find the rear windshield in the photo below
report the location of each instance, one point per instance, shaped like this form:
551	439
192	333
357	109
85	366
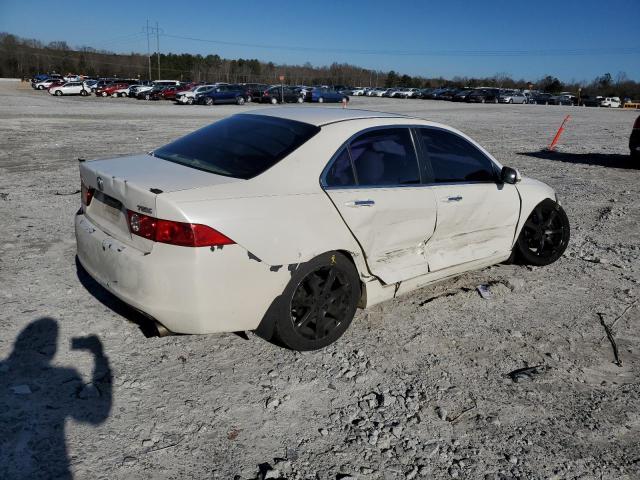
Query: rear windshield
241	146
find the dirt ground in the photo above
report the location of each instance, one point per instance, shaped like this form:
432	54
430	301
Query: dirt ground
418	387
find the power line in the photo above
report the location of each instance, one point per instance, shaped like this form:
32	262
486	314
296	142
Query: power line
428	53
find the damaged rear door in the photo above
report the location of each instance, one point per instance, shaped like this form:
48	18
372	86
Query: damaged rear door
375	182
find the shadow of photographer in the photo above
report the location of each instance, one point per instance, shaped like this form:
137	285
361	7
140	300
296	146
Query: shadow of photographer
37	397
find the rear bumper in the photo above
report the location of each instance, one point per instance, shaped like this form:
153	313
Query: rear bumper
188	290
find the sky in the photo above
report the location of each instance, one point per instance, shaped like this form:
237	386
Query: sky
573	40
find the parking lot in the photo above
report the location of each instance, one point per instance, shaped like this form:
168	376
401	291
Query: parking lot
417	387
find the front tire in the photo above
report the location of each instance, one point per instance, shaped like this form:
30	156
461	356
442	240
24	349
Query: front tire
318	304
58	93
274	101
544	236
321	100
240	101
208	101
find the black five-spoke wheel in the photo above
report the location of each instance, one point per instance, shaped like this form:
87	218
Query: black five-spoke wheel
545	235
319	302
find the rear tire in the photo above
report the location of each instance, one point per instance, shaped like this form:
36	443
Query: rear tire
544	236
321	100
83	93
318	304
208	101
104	94
274	101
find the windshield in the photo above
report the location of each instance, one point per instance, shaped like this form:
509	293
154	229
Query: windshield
242	146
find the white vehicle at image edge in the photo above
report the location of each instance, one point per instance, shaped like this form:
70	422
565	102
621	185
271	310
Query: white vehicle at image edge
285	220
70	88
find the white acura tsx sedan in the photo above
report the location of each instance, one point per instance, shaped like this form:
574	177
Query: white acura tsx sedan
285	220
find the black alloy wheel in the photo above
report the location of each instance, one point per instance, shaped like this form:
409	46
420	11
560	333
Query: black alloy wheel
319	302
545	235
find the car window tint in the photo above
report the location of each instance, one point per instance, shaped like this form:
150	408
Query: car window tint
340	173
241	146
385	157
454	159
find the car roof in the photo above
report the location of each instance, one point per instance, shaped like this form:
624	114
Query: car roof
320	116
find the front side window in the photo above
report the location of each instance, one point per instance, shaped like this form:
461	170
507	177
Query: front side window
454	159
385	157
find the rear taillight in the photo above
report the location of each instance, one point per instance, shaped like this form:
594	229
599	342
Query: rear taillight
175	233
86	194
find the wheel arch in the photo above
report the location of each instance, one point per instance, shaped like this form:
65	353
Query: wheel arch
532	193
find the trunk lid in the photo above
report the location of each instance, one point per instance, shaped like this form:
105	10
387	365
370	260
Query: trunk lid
133	183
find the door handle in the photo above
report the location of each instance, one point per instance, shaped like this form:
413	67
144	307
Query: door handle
455	198
360	203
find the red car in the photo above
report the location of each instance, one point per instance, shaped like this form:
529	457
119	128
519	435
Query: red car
57	83
107	90
170	93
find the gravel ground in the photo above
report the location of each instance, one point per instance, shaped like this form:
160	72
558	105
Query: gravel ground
418	387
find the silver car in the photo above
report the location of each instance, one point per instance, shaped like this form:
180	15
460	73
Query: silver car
513	97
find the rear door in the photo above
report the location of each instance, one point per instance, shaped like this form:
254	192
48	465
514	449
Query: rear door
477	215
375	183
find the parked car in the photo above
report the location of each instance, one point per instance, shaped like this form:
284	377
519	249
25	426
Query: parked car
484	95
359	91
563	98
222	94
48	83
611	102
591	100
461	95
282	94
70	88
151	93
241	198
253	91
634	140
135	90
405	93
513	97
325	95
541	98
109	89
171	91
188	97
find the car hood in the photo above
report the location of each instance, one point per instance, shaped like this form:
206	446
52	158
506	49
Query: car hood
153	172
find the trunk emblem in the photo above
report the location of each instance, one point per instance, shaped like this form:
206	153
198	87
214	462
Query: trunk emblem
100	183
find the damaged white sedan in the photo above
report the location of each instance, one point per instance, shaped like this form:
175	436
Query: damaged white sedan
286	220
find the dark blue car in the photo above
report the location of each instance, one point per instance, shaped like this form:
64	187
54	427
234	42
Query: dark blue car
222	94
324	94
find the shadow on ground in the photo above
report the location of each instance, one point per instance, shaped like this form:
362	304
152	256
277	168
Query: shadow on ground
612	160
36	398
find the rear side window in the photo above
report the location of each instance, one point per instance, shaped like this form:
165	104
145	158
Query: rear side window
241	146
385	157
340	173
454	159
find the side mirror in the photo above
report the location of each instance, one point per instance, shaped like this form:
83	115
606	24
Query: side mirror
510	175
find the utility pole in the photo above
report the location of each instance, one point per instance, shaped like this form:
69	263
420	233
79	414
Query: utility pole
148	49
158	45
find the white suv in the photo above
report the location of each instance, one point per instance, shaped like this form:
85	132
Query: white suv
70	88
613	102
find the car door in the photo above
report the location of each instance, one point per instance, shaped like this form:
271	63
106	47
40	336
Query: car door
477	215
375	183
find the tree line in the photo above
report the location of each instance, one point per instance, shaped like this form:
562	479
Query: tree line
23	58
